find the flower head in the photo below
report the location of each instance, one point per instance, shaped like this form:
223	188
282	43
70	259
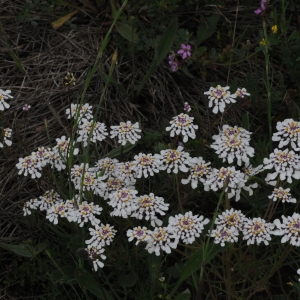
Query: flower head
219	97
283	195
3	96
26	107
185	51
172	160
160	239
274	29
126	132
173	63
231	218
199	170
186	227
148	206
289	229
139	233
183	124
124	202
257	230
229	179
242	93
85	128
29	165
7	137
288	132
224	234
233	142
286	164
80	111
144	164
102	235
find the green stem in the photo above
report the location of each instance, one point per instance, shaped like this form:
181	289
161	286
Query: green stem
178	193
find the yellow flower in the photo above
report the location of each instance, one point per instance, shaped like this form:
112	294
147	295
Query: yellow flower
274	29
262	42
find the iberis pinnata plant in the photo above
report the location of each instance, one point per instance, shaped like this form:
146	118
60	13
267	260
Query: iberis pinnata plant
113	182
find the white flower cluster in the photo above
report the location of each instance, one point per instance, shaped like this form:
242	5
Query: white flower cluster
231	222
5	133
286	164
233	142
55	157
283	195
199	170
229	179
183	124
220	96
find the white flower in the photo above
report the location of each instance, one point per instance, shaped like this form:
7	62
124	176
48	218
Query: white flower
224	234
109	164
7	137
160	239
242	92
125	171
85	127
4	95
126	132
172	160
114	184
229	178
282	195
42	155
198	172
148	206
29	165
94	254
102	235
124	202
60	152
86	212
231	143
48	200
298	272
186	227
144	164
33	203
286	164
218	97
251	171
231	218
257	230
90	181
183	124
82	111
288	132
289	229
62	209
139	233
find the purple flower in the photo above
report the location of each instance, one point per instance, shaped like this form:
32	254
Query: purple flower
262	7
184	51
187	107
26	107
173	63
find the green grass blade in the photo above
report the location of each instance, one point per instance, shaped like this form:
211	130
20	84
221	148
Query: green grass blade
163	48
86	279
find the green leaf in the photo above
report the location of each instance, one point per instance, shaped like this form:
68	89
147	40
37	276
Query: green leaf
185	295
165	42
117	151
164	45
207	29
64	274
195	262
201	50
127	280
24	250
86	279
75	243
127	32
245	121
